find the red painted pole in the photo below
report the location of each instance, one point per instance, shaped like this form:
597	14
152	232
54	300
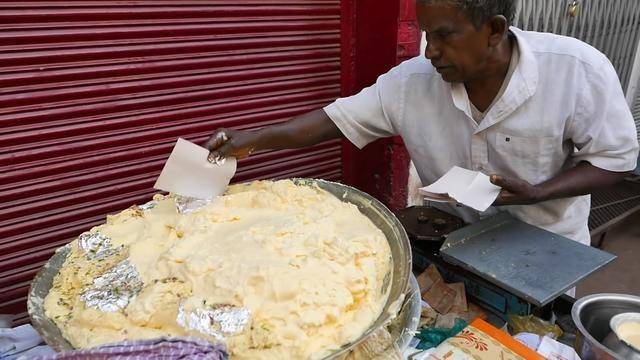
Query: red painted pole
376	38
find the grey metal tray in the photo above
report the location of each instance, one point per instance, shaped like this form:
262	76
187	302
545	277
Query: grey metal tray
532	263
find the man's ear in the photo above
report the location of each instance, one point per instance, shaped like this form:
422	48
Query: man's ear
498	28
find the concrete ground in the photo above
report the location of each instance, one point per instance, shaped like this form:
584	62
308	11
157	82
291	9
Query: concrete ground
623	274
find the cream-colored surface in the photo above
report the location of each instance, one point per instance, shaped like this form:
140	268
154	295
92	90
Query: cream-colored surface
629	332
308	266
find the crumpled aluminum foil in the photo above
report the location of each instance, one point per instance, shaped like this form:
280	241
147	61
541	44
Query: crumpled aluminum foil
218	321
114	289
148	206
97	245
186	204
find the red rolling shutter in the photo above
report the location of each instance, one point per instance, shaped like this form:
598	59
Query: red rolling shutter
95	93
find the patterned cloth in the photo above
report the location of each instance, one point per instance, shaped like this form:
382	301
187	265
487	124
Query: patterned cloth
157	349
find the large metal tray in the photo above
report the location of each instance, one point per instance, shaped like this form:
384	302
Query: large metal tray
397	280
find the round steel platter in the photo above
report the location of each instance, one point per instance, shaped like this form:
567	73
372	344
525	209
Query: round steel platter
397	280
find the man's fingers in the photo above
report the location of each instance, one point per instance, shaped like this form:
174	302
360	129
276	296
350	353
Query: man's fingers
504	194
221	152
499	181
504	198
216	140
513	185
218	146
231	143
515	191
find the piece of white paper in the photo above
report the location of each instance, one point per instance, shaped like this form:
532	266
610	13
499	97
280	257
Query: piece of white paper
554	350
456	178
532	341
470	188
187	172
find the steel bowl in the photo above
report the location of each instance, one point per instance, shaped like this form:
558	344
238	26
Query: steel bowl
397	281
592	315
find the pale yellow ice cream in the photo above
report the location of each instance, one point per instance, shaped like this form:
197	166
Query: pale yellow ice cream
307	266
629	332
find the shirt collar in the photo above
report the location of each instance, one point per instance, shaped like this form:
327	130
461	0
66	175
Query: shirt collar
521	87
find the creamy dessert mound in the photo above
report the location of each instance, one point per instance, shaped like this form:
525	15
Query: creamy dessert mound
273	269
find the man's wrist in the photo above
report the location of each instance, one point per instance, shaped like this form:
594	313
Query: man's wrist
258	139
541	193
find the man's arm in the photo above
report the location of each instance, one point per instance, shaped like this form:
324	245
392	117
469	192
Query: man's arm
301	131
580	180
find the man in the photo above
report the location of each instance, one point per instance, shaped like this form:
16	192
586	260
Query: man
544	114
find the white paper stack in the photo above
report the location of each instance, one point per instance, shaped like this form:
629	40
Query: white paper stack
467	187
187	172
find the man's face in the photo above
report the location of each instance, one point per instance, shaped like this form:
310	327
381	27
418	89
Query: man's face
455	47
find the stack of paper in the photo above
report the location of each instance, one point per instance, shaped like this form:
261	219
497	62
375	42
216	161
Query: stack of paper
470	188
187	172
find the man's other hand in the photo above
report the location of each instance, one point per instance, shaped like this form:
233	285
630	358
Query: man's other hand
515	191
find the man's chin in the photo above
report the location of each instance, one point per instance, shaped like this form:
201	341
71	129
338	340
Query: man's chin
449	74
451	78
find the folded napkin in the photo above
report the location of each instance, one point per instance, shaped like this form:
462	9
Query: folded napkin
21	341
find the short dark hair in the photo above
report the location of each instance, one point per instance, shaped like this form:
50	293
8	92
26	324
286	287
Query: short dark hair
480	11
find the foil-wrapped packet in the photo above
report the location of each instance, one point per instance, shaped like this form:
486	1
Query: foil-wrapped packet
97	246
218	321
186	204
114	289
148	206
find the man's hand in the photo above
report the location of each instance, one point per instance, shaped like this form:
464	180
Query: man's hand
515	191
226	142
583	179
301	131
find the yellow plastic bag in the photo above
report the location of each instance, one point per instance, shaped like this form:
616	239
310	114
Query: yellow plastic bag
534	325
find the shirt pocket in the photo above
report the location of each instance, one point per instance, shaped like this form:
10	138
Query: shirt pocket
527	157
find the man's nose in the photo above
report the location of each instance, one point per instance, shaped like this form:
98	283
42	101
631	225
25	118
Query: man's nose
432	51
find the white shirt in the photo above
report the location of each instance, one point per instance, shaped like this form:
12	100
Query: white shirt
478	115
563	104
